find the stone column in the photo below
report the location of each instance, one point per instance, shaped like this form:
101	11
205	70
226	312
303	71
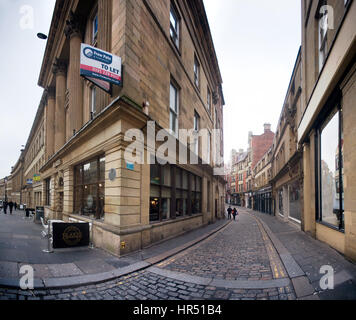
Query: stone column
104	42
59	69
307	188
51	105
73	31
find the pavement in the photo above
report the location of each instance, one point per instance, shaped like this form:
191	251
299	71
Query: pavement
256	257
21	244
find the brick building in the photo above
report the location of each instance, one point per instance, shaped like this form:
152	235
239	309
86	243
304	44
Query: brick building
259	146
75	153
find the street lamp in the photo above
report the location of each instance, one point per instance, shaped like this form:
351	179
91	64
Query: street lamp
41	36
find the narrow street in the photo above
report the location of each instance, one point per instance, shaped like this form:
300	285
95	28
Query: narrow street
255	257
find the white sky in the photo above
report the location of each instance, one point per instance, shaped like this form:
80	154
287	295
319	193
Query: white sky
256	41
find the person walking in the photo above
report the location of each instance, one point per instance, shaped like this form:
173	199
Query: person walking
15	205
234	211
229	210
11	205
5	207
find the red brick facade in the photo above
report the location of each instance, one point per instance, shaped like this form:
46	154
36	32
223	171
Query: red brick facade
260	145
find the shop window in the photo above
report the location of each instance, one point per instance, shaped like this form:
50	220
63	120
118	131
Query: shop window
89	188
330	171
294	201
48	191
174	192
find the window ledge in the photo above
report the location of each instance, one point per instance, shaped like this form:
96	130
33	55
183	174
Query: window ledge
178	219
325	224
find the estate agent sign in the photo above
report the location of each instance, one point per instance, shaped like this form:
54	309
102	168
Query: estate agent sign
100	67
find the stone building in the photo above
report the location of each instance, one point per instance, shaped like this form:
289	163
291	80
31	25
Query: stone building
170	75
32	158
262	189
287	179
17	182
327	127
240	167
2	189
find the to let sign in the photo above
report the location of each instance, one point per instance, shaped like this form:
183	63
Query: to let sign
100	67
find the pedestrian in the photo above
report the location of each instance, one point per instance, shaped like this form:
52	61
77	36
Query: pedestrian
229	212
5	207
15	205
234	213
11	205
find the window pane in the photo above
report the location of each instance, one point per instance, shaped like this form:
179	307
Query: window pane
102	168
166	175
166	202
101	201
78	200
185	180
154	191
329	178
173	122
173	99
192	182
173	19
295	208
90	200
79	175
280	202
198	183
91	172
155	174
154	209
178	178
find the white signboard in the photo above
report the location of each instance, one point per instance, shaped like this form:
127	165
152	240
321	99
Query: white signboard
100	67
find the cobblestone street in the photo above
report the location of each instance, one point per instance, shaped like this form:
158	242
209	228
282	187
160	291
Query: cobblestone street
241	261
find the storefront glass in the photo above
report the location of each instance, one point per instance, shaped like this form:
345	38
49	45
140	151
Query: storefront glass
331	193
89	188
295	209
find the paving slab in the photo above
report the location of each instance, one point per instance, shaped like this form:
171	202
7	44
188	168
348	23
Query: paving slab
302	287
94	266
9	270
64	270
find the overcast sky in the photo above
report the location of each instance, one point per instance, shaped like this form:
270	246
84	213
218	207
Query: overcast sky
256	41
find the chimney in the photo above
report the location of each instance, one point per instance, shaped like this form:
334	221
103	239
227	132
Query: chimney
267	127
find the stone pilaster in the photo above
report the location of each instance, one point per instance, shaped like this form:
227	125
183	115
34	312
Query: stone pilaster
50	120
68	191
73	31
59	69
104	42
